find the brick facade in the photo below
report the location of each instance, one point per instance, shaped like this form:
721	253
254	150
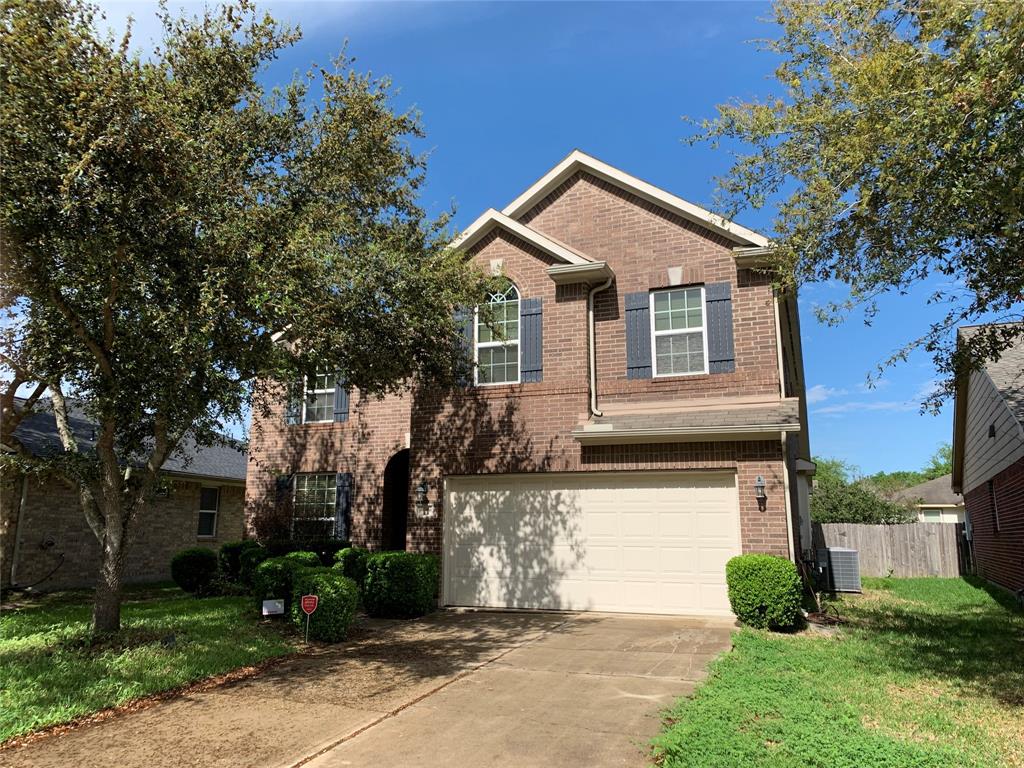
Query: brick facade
51	513
526	427
999	554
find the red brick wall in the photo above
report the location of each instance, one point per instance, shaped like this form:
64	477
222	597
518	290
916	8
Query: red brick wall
375	431
999	555
526	428
164	528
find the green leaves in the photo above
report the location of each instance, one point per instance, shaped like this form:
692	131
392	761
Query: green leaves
894	152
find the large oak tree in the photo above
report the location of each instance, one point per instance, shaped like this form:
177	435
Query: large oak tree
173	232
894	147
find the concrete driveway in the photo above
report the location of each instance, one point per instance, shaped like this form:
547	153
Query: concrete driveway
470	689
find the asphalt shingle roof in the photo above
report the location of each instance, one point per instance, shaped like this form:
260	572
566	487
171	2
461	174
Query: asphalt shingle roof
937	491
38	434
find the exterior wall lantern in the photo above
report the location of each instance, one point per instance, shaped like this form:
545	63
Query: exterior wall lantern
423	507
759	493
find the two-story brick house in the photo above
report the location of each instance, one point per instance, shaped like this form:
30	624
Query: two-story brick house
636	415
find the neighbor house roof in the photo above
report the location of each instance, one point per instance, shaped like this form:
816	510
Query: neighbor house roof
37	433
1007	376
725	423
938	491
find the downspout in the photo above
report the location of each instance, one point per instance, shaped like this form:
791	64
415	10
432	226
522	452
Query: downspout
17	531
593	344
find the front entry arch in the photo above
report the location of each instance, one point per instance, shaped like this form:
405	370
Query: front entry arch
395	512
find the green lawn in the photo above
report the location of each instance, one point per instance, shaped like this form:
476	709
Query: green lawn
929	672
49	673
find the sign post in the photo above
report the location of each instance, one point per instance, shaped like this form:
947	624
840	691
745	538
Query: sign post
308	604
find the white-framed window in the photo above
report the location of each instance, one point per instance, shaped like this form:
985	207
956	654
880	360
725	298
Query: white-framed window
678	325
209	506
496	351
318	397
931	515
314	505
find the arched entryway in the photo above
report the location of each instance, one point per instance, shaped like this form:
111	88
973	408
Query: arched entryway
396	501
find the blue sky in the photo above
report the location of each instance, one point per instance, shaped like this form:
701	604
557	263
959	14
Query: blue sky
508	89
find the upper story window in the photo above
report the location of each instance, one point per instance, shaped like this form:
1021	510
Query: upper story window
497	338
677	325
318	397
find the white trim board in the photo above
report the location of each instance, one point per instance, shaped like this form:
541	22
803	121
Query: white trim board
492	218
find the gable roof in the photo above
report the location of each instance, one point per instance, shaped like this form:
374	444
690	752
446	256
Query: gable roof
37	432
937	491
492	218
580	161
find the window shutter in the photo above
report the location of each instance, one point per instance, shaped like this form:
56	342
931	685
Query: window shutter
282	489
721	357
464	322
531	340
343	505
340	400
293	409
638	336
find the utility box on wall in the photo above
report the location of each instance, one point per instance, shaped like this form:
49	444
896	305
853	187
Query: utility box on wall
839	569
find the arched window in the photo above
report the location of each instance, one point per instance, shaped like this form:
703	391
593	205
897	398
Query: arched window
497	337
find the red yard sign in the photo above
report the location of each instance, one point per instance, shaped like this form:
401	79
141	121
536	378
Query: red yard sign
309	603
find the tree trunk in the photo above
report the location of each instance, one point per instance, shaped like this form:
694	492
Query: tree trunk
106	611
10	509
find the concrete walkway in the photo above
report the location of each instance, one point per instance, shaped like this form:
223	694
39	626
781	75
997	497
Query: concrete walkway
469	689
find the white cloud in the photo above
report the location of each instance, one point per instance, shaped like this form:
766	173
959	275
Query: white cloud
819	393
866	405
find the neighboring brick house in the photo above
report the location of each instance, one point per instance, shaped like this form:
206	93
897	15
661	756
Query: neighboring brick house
201	503
988	464
616	472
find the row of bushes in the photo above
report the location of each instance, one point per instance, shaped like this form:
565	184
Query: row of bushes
388	584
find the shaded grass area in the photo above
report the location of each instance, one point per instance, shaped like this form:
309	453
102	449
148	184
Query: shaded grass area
50	671
928	672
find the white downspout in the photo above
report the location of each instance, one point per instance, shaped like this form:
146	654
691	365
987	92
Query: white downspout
593	344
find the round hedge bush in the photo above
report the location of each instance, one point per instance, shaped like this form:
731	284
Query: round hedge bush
764	590
304	559
248	560
351	561
338	597
193	569
230	557
400	585
273	578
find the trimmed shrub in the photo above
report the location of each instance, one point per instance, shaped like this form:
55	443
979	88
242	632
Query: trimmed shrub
273	579
338	597
324	548
247	562
764	590
230	557
193	569
304	559
351	561
400	585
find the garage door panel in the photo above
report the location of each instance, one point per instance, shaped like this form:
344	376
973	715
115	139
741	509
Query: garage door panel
653	542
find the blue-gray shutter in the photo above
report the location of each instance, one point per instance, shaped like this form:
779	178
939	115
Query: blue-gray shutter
638	336
531	340
282	489
464	322
340	400
342	505
721	354
293	410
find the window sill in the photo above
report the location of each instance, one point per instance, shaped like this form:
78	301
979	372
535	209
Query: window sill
206	538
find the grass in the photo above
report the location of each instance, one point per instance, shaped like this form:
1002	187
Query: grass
51	673
928	672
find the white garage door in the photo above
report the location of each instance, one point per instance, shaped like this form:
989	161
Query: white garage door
609	541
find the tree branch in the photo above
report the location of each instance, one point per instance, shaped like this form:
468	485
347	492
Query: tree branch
99	352
60	415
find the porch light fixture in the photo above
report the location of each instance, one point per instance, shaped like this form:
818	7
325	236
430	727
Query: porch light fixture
423	507
759	493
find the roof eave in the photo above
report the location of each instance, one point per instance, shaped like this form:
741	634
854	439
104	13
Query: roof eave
577	160
491	218
599	434
569	274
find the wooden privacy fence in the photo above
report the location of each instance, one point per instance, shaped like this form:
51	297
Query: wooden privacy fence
910	549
